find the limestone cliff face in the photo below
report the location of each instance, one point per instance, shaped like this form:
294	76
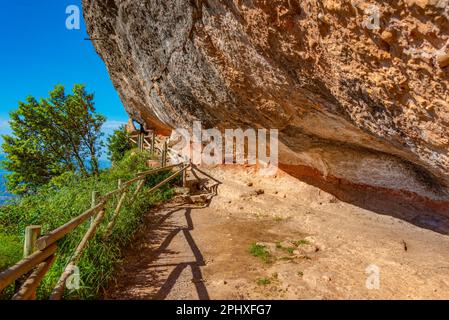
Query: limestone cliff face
358	89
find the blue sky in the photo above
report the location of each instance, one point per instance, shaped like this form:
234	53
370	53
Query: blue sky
37	51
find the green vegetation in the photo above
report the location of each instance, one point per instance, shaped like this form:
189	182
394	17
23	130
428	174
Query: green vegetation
10	250
279	246
301	243
260	251
66	197
263	281
118	144
50	137
290	250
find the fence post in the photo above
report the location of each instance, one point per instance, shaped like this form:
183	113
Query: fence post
139	187
31	235
141	141
93	203
116	213
29	247
153	137
164	155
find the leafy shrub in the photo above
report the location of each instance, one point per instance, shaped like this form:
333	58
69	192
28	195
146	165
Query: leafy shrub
260	251
119	144
10	250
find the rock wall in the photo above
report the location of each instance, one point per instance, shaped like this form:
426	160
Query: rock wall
358	89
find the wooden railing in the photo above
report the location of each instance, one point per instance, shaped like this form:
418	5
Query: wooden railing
150	143
145	141
40	252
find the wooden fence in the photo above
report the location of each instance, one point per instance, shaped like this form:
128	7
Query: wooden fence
40	251
145	141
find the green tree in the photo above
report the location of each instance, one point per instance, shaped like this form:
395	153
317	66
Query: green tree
51	136
118	144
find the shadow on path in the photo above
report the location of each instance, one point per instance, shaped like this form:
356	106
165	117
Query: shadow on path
194	266
157	262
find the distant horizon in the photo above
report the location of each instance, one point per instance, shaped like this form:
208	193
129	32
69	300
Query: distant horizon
4	193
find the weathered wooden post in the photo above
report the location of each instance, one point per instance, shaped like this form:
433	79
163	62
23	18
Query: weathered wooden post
142	141
139	187
153	138
164	155
162	158
31	235
29	247
93	203
139	141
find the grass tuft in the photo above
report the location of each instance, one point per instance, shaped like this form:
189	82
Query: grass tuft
301	243
263	281
289	250
260	251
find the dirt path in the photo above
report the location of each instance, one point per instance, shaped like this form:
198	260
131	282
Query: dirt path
165	262
318	248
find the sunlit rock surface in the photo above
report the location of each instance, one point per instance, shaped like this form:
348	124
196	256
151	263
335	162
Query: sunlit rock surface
362	108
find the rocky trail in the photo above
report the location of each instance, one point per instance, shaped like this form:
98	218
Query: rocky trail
314	247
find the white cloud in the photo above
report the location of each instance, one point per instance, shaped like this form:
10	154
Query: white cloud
110	125
113	124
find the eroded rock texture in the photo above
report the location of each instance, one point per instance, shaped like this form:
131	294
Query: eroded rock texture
362	108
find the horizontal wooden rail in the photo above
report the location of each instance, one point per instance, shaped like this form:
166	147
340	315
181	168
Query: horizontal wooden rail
41	260
174	175
145	173
115	215
60	232
59	289
25	265
28	289
120	190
